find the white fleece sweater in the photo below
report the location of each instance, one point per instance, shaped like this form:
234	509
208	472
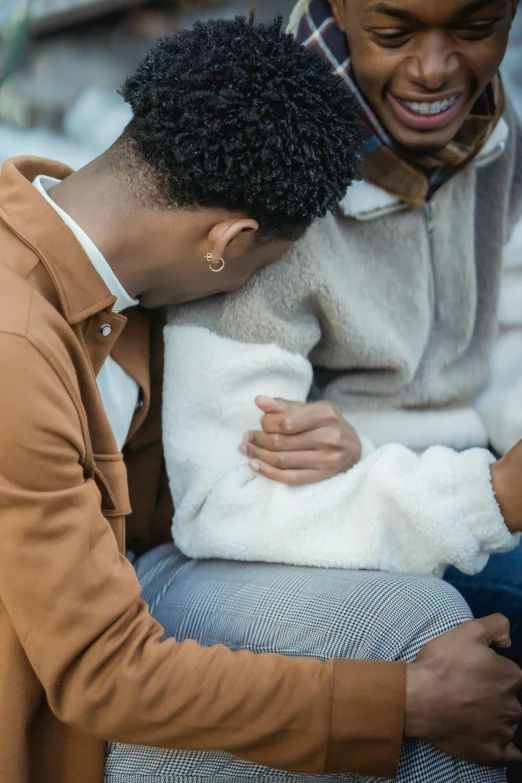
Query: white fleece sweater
399	327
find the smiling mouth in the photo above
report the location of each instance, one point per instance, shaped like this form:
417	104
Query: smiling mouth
428	116
434	108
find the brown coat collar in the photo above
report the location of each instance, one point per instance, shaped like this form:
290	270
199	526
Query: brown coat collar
81	290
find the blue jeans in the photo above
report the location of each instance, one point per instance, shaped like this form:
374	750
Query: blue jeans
496	589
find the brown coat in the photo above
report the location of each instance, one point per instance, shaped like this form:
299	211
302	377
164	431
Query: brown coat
81	660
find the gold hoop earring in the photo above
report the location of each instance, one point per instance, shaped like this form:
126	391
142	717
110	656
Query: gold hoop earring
208	258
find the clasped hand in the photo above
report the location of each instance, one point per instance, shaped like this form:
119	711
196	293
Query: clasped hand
301	443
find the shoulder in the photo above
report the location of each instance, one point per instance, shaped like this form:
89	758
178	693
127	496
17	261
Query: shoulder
40	422
16	297
38	357
277	306
26	313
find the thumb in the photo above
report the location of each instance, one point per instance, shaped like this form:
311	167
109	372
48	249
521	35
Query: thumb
272	404
496	630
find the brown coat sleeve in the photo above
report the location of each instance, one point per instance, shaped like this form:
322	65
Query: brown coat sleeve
74	603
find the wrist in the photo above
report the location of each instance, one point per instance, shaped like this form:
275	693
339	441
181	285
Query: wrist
417	710
505	495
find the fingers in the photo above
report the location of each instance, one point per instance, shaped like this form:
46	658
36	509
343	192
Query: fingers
294	460
273	404
495	630
298	417
316	440
292	478
514	712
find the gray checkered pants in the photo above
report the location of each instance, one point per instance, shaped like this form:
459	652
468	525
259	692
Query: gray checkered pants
297	612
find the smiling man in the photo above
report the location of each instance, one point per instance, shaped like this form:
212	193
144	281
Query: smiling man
403	309
426	78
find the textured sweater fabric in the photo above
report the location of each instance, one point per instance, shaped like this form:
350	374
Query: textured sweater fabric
411	321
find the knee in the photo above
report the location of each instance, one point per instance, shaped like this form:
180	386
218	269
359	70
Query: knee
308	612
417	610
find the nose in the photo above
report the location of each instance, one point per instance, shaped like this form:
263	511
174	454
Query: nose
434	64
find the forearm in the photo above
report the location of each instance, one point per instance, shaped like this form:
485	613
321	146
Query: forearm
394	511
299	715
105	669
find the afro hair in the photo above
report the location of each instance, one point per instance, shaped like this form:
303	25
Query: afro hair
237	115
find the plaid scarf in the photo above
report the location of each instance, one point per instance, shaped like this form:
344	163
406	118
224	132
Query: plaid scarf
413	180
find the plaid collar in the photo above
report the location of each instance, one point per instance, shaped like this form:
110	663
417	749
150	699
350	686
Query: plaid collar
413	181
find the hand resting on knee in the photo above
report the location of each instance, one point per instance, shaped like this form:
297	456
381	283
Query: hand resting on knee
462	696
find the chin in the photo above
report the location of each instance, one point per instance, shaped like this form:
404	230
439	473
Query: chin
418	143
421	147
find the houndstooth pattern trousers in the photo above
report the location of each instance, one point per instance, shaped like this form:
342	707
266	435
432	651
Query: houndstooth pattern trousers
294	611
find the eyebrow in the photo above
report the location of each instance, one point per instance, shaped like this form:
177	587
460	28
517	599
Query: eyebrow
398	13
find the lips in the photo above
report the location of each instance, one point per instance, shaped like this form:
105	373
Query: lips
431	108
427	115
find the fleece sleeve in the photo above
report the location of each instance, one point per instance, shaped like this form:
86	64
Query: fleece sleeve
499	404
394	511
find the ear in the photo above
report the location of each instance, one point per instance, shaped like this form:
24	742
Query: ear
338	10
232	236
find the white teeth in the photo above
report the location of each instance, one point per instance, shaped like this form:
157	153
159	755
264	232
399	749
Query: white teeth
437	107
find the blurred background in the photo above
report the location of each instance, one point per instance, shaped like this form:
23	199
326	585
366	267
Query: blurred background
61	62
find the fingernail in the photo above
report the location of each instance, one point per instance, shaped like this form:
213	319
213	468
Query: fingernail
243	449
254	465
246	437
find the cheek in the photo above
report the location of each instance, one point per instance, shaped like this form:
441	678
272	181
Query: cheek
486	60
373	66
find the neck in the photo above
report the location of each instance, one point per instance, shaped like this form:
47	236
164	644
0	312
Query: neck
95	199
